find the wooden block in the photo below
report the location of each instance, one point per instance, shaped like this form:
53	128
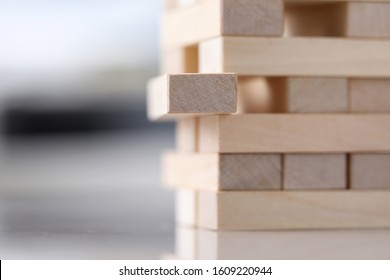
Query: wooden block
186	242
178	61
315	171
368	20
289	245
186	207
223	171
293	210
187	135
295	57
295	133
369	95
171	96
177	4
221	17
317	95
370	171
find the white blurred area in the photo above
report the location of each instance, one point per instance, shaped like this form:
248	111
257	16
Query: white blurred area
79	162
64	48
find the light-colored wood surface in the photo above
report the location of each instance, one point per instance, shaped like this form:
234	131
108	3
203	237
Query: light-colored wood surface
212	171
179	95
294	210
187	135
368	20
295	57
295	133
369	95
180	60
283	245
186	210
370	171
317	95
183	27
314	171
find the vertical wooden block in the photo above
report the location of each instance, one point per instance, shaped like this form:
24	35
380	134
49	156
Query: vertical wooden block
187	135
369	95
370	171
317	95
186	207
368	20
312	171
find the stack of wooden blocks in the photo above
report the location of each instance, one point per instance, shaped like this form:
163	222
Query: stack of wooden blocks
282	110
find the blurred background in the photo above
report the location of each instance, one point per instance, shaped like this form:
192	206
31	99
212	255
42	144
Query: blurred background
79	161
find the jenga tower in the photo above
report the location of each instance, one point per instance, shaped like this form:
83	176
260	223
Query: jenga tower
282	111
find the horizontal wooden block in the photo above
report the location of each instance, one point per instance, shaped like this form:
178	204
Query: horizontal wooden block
295	133
369	95
368	20
314	171
282	245
183	27
370	171
294	210
171	96
223	171
325	57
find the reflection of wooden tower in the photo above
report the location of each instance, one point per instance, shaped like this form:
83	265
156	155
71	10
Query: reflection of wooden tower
300	138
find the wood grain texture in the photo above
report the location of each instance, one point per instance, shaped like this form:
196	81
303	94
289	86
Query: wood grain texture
315	171
369	95
182	27
368	20
223	171
317	95
370	171
186	207
171	96
295	133
326	57
294	210
187	135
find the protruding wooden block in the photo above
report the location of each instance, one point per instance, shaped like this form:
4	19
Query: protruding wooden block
295	133
237	210
315	171
181	95
369	95
325	57
223	171
370	171
317	95
186	207
368	20
212	18
187	135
